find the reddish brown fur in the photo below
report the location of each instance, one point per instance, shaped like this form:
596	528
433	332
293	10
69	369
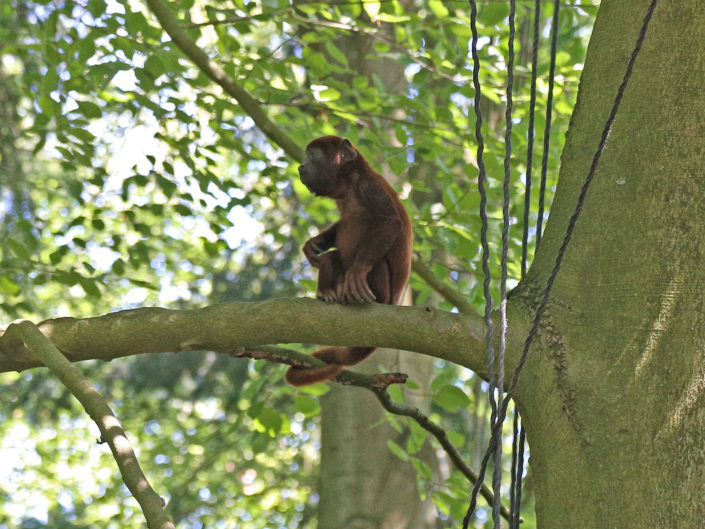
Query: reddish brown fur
362	258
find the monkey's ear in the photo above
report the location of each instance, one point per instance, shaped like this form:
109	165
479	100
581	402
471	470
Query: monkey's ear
347	151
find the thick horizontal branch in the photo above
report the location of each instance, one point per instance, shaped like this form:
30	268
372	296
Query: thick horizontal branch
227	327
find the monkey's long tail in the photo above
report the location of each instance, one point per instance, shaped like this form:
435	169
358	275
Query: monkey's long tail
336	358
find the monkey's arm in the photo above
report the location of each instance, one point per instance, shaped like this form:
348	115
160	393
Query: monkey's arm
319	244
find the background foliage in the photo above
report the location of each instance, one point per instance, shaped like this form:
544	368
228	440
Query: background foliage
128	178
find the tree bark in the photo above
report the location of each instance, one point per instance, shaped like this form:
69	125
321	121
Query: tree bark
614	391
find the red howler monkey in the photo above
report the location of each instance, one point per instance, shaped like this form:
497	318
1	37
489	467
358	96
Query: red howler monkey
362	258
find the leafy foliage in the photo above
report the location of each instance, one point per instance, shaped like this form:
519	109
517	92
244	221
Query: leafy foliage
128	177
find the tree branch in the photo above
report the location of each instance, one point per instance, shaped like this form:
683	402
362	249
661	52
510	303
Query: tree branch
377	384
282	355
227	327
449	293
439	433
250	105
111	431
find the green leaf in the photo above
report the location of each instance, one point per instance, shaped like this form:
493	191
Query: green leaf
67	278
422	468
371	7
118	267
155	66
494	13
329	94
451	398
183	209
89	109
334	52
440	10
317	390
360	83
381	47
397	450
86	49
393	19
19	249
395	393
307	405
47	105
90	286
457	439
416	439
269	421
143	284
8	286
49	81
96	7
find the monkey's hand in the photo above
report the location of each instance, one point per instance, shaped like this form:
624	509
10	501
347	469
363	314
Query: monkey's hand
312	250
355	288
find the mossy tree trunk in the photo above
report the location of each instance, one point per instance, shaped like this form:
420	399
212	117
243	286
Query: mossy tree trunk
614	393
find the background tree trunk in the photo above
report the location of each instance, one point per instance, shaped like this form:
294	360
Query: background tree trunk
613	395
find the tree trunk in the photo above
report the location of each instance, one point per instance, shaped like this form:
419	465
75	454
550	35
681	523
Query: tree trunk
364	486
613	395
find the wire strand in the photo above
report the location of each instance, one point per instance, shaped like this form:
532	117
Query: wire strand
530	139
497	474
518	445
515	508
549	114
481	177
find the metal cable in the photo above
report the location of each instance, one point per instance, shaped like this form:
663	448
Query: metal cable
530	144
549	114
515	508
514	467
481	177
561	254
497	474
518	451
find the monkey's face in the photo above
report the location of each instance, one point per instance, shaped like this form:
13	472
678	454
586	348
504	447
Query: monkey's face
321	171
313	171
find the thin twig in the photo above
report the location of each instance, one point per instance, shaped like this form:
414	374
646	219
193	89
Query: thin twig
282	355
446	291
440	434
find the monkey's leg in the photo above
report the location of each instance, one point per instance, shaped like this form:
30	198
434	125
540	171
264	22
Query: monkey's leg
330	277
379	280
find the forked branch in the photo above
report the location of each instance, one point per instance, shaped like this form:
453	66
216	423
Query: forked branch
111	431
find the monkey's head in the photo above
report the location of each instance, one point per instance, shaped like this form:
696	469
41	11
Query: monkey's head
327	164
